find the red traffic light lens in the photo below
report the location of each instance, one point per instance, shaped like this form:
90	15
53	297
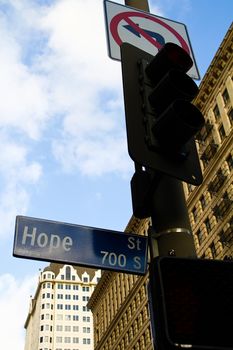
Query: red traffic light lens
171	56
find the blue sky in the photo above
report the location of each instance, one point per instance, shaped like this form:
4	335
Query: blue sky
62	131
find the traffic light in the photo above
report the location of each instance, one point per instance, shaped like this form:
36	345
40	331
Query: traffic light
161	121
191	303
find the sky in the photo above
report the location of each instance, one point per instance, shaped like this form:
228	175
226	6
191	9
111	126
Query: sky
62	127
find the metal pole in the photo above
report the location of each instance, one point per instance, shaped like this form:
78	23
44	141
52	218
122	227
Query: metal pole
170	233
139	4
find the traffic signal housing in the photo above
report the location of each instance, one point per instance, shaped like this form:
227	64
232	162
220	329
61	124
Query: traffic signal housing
161	121
191	303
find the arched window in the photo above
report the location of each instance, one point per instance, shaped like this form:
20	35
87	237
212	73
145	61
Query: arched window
68	273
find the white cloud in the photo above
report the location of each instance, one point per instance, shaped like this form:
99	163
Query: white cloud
17	173
14	165
24	96
14	306
70	76
24	112
86	86
94	156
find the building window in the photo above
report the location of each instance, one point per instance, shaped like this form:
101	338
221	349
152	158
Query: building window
209	152
86	341
229	161
58	339
230	115
75	307
59	328
207	225
59	306
68	286
86	319
75	318
204	132
75	340
67	328
75	297
85	308
75	328
222	208
67	307
60	286
216	113
67	296
194	212
226	97
67	340
222	133
75	287
85	298
85	289
203	202
213	250
46	339
68	317
85	279
86	329
217	183
68	273
200	236
59	296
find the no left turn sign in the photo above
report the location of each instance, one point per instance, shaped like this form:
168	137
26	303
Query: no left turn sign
143	30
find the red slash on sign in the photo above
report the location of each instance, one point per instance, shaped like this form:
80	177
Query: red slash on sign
143	30
126	17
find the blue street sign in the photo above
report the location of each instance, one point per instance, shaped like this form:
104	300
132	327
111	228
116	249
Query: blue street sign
79	245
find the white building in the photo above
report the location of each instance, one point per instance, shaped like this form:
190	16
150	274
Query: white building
58	317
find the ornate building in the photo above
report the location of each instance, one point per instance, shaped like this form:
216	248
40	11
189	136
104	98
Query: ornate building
120	307
58	317
210	205
119	302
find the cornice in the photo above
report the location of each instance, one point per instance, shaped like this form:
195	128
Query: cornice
221	63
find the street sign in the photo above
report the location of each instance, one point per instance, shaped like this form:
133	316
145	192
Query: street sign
54	241
143	30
